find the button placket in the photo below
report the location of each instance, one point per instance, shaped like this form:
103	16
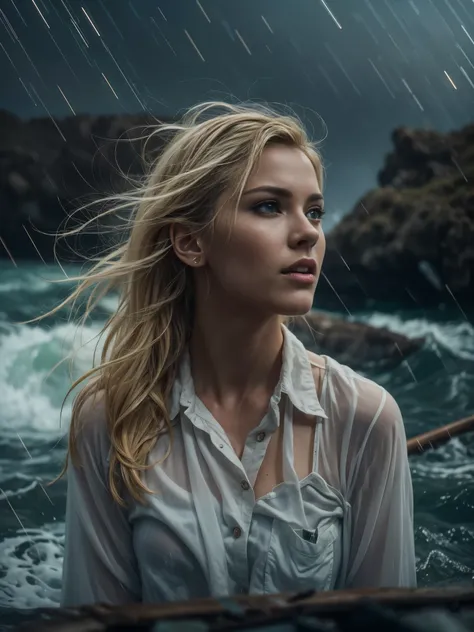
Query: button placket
254	454
240	533
240	560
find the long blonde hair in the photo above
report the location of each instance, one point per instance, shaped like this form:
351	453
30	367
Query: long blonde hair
208	154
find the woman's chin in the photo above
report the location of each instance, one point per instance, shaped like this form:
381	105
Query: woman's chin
298	307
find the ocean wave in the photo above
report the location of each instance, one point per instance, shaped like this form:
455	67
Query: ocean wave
453	336
30	391
28	281
21	491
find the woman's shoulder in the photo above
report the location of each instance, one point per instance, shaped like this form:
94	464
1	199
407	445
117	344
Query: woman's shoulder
327	368
354	400
89	423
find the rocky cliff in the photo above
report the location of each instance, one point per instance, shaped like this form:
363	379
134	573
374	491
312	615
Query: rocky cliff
410	241
48	169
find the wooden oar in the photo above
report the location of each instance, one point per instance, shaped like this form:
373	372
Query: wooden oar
252	612
434	438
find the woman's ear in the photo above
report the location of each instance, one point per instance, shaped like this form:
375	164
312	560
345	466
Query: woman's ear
186	246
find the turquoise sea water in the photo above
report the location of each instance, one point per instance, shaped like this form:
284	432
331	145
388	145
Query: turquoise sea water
434	387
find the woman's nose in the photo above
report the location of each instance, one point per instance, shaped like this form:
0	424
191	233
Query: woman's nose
305	231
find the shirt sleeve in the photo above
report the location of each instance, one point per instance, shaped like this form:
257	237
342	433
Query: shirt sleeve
99	563
381	498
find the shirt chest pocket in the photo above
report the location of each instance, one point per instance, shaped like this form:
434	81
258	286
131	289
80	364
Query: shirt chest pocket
295	563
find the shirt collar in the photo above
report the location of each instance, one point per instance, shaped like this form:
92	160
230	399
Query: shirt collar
296	381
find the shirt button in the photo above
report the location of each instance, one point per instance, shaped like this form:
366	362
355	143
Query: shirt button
260	436
237	532
244	485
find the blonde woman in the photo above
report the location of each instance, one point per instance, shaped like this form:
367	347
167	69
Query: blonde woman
211	453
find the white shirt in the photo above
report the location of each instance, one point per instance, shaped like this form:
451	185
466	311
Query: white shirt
204	533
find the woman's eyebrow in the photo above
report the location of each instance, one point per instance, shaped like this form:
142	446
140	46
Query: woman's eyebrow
314	197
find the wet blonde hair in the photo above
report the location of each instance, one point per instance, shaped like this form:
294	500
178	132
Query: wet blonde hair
212	150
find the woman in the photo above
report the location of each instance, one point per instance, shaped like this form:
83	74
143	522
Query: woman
211	453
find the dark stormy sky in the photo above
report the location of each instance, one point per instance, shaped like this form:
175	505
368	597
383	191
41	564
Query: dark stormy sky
352	69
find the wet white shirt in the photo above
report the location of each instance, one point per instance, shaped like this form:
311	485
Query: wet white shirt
348	524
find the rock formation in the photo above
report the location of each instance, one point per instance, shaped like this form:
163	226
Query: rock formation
355	344
411	241
48	169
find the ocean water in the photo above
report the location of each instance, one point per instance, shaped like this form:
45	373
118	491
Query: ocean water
435	386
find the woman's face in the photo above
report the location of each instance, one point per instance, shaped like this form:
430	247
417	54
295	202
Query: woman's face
278	223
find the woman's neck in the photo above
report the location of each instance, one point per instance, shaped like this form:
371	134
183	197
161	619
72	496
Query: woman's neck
233	358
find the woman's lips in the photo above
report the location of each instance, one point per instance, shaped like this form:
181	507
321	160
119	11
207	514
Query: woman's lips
301	277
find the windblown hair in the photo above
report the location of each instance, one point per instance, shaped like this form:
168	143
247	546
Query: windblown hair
206	156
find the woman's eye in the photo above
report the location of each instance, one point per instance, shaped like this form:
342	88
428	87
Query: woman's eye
266	207
272	206
318	213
